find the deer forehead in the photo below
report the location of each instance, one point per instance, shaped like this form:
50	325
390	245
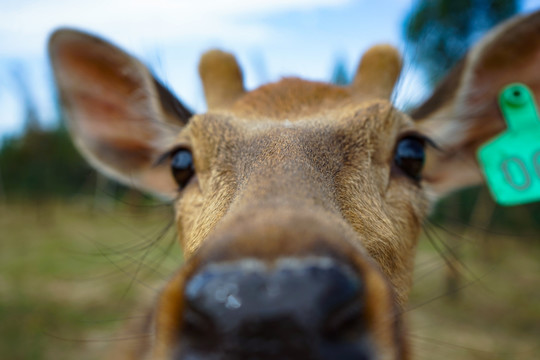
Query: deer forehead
320	119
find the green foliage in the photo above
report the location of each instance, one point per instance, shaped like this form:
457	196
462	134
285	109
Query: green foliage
42	163
439	32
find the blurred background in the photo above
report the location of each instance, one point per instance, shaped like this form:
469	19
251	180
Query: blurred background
79	252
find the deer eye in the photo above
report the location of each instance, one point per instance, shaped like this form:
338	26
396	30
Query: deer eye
409	156
182	166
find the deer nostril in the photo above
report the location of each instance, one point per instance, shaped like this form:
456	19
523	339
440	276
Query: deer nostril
347	321
196	324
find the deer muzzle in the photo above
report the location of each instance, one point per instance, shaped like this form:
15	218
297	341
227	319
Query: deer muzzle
287	287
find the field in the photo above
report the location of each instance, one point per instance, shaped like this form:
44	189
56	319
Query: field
72	273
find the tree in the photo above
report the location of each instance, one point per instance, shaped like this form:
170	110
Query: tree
439	32
339	74
41	162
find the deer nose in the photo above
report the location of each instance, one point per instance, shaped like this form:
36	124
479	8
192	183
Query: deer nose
292	309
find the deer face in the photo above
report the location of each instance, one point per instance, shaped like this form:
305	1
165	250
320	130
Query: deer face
292	206
298	204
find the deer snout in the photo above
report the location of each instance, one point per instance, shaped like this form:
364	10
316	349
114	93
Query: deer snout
293	309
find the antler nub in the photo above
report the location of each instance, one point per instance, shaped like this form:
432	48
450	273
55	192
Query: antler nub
378	72
222	79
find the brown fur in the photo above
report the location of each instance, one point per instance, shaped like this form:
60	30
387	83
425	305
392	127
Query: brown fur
222	79
377	72
294	168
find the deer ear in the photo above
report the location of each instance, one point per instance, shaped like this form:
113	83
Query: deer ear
463	111
120	117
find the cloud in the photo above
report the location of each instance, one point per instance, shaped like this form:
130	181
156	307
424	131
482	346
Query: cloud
25	25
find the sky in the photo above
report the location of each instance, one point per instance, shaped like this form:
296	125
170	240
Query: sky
271	39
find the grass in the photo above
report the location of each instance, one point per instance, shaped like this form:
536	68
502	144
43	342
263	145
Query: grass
70	275
493	311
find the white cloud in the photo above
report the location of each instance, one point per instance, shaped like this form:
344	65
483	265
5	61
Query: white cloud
24	25
178	28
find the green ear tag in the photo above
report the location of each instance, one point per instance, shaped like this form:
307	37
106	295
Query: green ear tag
511	161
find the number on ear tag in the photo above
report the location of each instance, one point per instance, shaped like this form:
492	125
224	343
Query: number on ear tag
511	161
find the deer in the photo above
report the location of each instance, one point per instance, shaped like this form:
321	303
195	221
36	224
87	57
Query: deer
298	204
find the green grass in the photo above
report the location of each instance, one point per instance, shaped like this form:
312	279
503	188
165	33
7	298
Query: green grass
494	312
70	275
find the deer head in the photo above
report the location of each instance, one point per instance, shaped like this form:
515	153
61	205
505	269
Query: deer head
298	204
